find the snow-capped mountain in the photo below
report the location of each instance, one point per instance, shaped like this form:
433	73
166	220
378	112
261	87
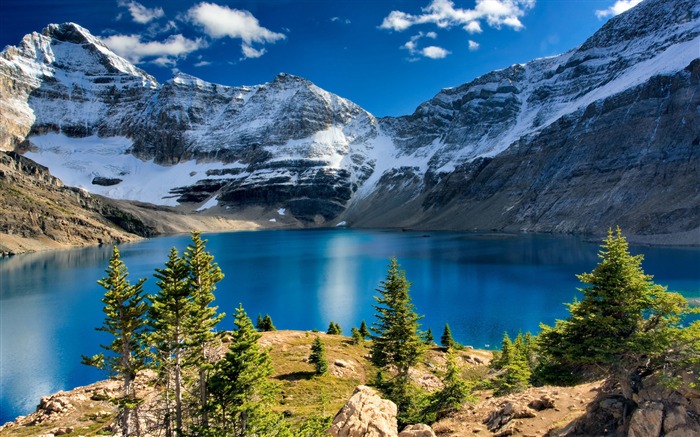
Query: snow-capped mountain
605	134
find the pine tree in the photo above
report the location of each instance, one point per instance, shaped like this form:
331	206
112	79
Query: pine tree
446	340
260	323
334	329
506	354
622	325
428	338
455	391
167	320
203	275
396	340
364	332
241	390
318	357
356	336
267	324
515	371
124	309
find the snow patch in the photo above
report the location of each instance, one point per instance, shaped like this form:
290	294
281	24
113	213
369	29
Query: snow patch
77	161
281	211
209	204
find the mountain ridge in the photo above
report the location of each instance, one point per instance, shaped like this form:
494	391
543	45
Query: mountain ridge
455	163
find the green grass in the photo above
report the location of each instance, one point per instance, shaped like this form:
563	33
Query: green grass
304	394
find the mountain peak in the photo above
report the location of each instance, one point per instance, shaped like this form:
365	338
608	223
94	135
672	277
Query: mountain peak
289	78
70	32
181	78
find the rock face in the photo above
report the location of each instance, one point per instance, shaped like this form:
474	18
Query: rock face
365	415
605	134
574	143
35	206
647	420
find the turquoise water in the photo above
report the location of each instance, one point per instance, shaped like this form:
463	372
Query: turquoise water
481	284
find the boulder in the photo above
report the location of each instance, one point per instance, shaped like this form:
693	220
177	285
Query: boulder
678	422
365	414
543	403
646	420
498	421
419	430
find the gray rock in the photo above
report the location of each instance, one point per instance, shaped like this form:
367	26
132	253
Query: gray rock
365	415
646	420
419	430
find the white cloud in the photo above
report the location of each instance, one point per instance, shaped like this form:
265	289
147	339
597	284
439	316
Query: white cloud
222	21
473	46
164	52
444	14
434	52
412	44
473	27
341	20
202	64
397	20
140	13
250	52
619	7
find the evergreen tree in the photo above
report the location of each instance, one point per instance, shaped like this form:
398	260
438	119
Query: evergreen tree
334	329
264	324
318	357
267	324
167	320
203	275
506	353
530	354
396	341
364	332
241	391
124	309
455	391
356	336
446	340
622	325
428	338
514	366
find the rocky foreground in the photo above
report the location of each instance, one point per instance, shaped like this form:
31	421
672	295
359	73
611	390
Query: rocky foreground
585	410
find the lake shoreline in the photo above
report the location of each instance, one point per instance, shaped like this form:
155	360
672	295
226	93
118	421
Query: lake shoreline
186	223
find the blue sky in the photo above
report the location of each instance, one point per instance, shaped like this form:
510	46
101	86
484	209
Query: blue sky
388	56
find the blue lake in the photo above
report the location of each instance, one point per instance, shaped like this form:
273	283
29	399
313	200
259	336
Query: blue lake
481	284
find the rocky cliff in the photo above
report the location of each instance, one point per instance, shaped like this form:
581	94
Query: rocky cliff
605	134
40	212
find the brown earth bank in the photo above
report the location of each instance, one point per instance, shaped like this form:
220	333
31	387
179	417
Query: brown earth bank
591	409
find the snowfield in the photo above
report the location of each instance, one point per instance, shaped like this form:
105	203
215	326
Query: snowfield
77	161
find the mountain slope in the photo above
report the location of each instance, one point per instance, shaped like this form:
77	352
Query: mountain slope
40	212
605	134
